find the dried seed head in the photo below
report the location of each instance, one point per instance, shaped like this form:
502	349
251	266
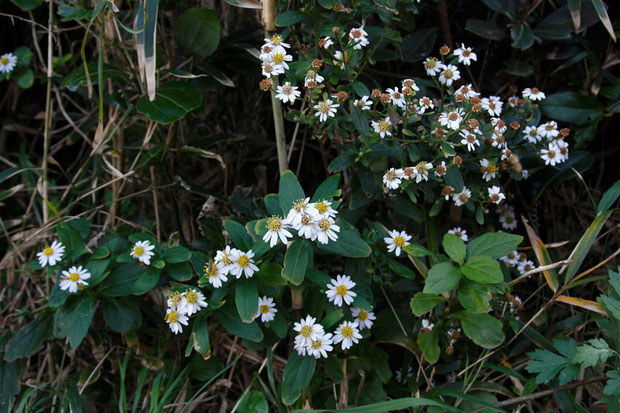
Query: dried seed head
457	160
515	125
444	50
385	98
375	93
474	100
342	96
473	124
513	159
317	63
564	132
460	98
476	108
265	84
335	30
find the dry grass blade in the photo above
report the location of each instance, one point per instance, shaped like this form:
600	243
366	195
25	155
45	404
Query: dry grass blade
580	302
542	256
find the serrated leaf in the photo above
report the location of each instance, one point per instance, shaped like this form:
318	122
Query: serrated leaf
596	351
547	364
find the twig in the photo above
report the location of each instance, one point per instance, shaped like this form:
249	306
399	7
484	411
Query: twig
537	270
48	111
90	376
278	123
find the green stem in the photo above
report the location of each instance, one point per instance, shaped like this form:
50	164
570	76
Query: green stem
278	123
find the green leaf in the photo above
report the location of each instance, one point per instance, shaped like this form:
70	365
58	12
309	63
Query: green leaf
199	339
71	239
272	203
25	78
422	303
100	253
585	243
612	387
246	297
121	279
391	405
547	364
483	269
484	29
441	277
474	297
253	402
175	255
429	345
454	247
609	198
29	338
73	319
416	250
289	18
228	316
297	374
290	191
361	90
601	11
146	282
348	244
611	305
180	272
173	101
596	351
58	296
27	5
482	329
69	13
570	107
122	315
238	234
296	261
332	318
77	77
198	31
493	244
522	36
419	44
328	189
270	273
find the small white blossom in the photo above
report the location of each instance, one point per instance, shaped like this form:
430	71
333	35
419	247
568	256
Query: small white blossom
276	229
267	309
364	103
393	178
73	279
495	194
460	233
243	264
432	66
396	241
175	320
192	302
449	74
347	333
533	94
451	119
469	139
215	274
325	109
339	290
462	197
7	62
363	318
51	254
551	155
382	127
465	55
143	251
287	93
492	104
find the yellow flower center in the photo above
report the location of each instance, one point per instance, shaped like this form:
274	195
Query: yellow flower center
551	154
316	345
534	90
464	198
509	220
305	219
321	207
491	169
172	317
175	298
466	53
453	116
346	332
48	251
384	125
533	132
274	224
447	74
299	205
278	58
243	261
211	270
264	309
191	297
391	175
341	290
138	251
4	61
276	39
287	89
306	331
363	315
324	224
399	241
310	74
421	167
431	63
324	107
74	276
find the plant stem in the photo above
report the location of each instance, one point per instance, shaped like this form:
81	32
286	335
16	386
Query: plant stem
278	123
48	110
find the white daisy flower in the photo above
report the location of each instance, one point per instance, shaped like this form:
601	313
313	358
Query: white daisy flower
243	264
441	169
265	53
300	345
277	40
51	254
223	259
533	94
513	101
143	251
312	76
410	83
397	98
492	104
451	119
421	171
396	241
531	134
525	266
192	302
489	169
469	139
512	258
462	197
393	178
347	333
449	74
460	233
267	309
308	329
175	319
215	274
322	209
269	69
467	91
340	59
174	302
508	222
279	57
551	155
427	326
326	229
340	289
307	227
328	42
73	279
549	130
300	207
382	127
363	318
363	103
276	229
325	109
359	37
495	194
7	62
425	103
432	66
499	125
287	93
321	346
563	148
465	55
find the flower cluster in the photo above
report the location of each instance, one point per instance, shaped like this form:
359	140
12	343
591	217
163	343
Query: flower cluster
312	340
73	279
181	306
230	261
519	261
507	217
312	220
